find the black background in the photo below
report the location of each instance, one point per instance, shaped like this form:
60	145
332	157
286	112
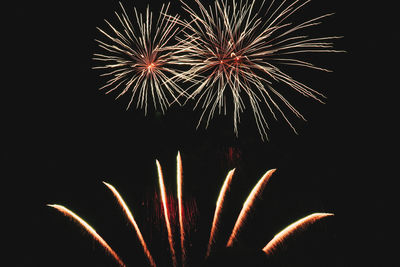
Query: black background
63	137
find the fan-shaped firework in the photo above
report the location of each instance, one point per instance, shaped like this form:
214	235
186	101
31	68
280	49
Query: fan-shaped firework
280	238
139	58
233	46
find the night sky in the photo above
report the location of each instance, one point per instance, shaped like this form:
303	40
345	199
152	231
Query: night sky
63	137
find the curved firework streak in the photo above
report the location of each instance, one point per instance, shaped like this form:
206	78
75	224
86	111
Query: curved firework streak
89	229
139	58
131	219
292	229
230	47
278	239
257	190
218	209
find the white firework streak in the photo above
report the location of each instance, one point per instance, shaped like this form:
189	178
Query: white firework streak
140	59
232	47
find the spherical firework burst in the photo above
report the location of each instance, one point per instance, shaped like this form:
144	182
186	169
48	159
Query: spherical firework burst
269	249
234	47
139	58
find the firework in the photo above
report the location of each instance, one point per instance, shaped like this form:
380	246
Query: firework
258	188
256	191
138	58
234	50
89	229
131	219
180	206
292	229
166	216
218	209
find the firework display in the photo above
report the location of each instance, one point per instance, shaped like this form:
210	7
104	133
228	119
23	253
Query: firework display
247	207
231	51
225	57
234	50
138	58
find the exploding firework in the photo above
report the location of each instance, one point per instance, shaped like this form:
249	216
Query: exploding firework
233	49
271	246
139	58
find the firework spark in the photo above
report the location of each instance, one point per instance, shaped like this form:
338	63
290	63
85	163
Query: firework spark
180	206
258	188
256	191
234	47
166	216
138	58
131	219
89	229
218	209
292	229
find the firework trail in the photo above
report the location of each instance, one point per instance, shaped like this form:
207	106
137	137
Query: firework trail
89	229
131	219
292	229
180	206
138	58
167	222
278	239
218	209
233	49
248	204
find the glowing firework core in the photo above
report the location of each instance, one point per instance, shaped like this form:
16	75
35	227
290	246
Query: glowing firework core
151	66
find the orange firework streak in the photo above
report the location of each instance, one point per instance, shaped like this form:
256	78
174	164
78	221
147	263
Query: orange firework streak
292	229
218	208
179	189
131	219
248	204
164	203
89	229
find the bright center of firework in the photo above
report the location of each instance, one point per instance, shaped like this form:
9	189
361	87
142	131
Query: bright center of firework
150	66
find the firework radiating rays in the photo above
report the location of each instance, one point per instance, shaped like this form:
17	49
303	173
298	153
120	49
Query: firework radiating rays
280	238
139	58
233	49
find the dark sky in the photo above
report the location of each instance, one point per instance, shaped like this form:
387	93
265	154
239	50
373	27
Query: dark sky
64	136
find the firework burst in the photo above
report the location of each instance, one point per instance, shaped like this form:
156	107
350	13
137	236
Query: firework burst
233	49
269	249
139	58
